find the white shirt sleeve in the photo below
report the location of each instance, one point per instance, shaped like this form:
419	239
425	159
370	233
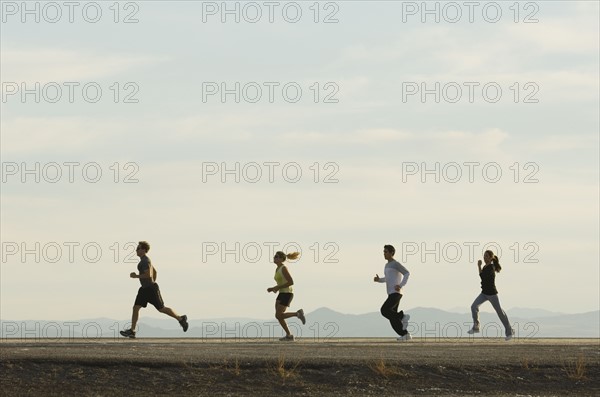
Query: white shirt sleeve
405	273
404	279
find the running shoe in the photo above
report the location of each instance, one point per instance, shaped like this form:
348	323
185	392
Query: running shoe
300	314
128	333
405	321
509	337
183	322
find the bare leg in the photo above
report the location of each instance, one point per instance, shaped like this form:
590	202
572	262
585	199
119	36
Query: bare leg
135	316
170	312
280	315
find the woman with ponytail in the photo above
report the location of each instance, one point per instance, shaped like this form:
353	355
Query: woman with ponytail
489	293
284	288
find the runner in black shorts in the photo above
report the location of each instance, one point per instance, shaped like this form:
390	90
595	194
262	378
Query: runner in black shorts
149	292
284	299
150	295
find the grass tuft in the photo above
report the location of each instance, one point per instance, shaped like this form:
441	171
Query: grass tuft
285	372
576	369
380	367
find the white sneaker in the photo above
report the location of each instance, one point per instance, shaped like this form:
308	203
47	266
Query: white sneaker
405	321
404	338
287	338
300	314
509	337
474	330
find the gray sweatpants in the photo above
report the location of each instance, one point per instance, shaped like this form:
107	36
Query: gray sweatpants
495	301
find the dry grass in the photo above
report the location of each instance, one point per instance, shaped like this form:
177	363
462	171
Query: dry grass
527	363
236	367
575	369
227	367
380	367
289	372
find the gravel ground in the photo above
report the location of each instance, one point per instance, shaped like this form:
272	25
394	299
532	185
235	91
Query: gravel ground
382	367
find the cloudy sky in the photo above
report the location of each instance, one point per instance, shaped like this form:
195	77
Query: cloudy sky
220	133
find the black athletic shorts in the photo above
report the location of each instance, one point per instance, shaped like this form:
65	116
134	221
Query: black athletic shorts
285	298
149	295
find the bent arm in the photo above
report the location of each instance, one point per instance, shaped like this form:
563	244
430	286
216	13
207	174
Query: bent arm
288	277
145	274
405	274
404	279
288	283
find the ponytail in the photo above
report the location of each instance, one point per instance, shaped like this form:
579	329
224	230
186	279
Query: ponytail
496	264
293	255
284	256
495	261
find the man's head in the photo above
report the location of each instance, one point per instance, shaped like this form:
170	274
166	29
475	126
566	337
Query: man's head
388	251
142	248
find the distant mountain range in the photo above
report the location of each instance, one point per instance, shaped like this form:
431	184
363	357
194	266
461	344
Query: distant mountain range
322	324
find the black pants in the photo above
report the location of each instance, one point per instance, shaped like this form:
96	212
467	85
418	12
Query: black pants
389	310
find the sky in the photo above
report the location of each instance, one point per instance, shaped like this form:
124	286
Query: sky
221	132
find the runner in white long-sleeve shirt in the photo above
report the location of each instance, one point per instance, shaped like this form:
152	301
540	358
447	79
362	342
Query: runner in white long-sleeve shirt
395	277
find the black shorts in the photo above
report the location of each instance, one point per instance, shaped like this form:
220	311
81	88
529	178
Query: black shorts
285	298
149	295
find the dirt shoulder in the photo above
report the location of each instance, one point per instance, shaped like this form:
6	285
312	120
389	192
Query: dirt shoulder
335	367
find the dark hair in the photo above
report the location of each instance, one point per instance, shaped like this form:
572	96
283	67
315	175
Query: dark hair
144	245
495	261
284	256
390	249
